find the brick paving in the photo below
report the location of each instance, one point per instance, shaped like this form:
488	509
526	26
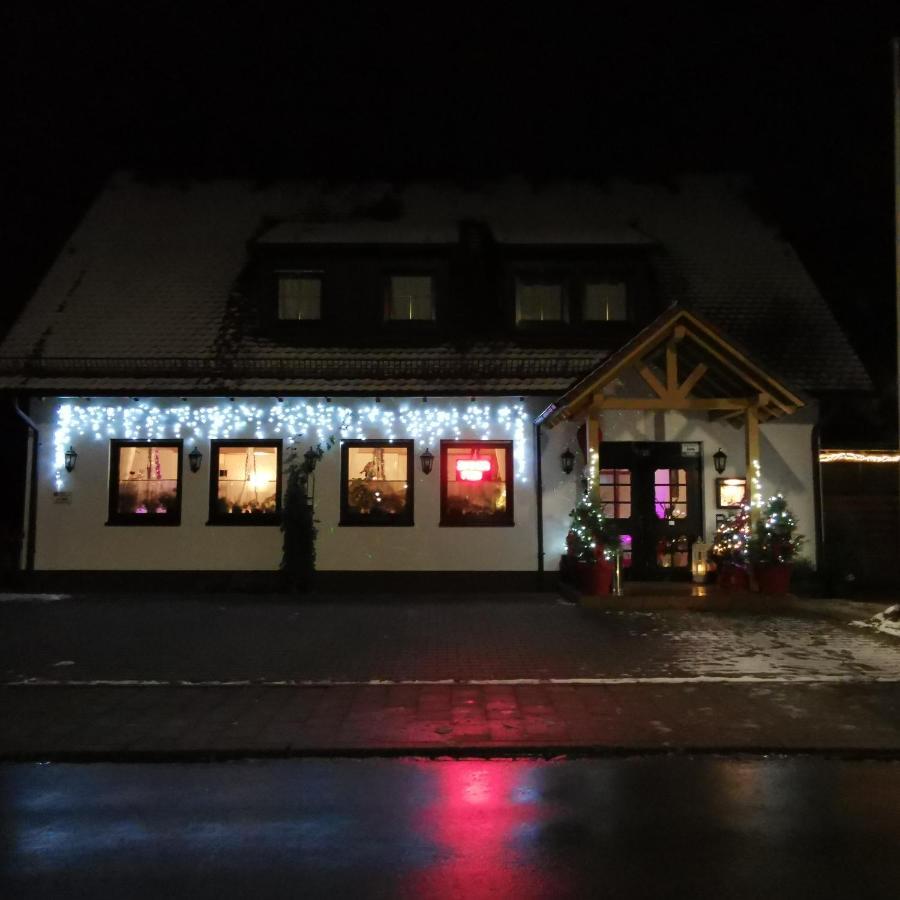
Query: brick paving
64	722
661	680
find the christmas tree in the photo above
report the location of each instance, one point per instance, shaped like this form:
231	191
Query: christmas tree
775	539
590	530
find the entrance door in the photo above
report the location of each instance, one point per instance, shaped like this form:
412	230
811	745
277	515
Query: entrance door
653	492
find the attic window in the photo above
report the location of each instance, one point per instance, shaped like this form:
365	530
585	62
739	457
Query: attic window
605	301
299	296
540	301
410	298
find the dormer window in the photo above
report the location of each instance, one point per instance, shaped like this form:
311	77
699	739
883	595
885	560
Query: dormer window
540	300
605	301
410	298
299	296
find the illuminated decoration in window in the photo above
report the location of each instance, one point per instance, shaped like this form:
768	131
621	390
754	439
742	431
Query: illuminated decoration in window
299	296
245	482
859	456
411	298
615	492
145	483
314	419
626	546
476	483
473	469
673	553
605	301
539	301
377	483
731	493
670	493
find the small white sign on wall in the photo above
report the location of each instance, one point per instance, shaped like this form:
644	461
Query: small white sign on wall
62	497
692	449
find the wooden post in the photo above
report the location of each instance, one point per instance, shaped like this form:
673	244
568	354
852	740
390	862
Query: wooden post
751	445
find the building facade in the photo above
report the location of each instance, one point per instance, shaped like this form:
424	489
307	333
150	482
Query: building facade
448	349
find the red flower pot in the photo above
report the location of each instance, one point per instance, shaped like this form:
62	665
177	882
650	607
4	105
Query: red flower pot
773	578
733	577
596	578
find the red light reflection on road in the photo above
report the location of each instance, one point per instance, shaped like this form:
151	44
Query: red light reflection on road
484	819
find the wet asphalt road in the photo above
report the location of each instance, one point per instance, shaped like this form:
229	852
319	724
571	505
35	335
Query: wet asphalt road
601	828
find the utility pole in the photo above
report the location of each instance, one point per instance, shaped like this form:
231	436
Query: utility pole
896	66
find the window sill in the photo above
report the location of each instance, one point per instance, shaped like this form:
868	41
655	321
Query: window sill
376	524
144	522
456	523
246	521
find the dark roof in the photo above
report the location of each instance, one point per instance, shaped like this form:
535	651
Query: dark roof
138	298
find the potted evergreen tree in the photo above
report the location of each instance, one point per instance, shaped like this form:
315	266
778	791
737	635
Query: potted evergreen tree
591	543
729	550
773	546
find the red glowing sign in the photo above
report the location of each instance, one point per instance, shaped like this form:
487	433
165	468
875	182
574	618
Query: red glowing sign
472	469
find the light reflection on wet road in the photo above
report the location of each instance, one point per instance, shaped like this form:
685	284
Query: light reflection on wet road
642	827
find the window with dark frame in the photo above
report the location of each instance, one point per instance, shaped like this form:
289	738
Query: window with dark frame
731	493
615	492
245	482
477	483
605	301
145	483
540	299
299	296
410	298
377	482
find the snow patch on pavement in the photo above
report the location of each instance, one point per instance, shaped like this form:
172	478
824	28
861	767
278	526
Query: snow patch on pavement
33	598
887	622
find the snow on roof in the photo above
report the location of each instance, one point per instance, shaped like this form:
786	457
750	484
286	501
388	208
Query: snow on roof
148	272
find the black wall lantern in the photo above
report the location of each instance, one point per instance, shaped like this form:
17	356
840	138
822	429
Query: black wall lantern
426	460
567	458
195	458
720	459
70	456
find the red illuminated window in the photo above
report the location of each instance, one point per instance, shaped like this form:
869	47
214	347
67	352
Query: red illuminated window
476	483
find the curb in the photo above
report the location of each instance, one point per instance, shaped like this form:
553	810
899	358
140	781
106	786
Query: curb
443	753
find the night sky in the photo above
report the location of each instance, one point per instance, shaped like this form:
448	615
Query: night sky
456	92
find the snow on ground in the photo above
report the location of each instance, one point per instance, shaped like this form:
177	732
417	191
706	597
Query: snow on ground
887	622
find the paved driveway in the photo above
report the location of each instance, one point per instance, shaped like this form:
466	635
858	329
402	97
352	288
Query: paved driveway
261	639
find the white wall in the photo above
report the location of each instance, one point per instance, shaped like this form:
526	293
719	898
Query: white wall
75	536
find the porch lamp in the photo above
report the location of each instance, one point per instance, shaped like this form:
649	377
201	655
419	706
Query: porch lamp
426	461
70	457
195	457
720	459
567	458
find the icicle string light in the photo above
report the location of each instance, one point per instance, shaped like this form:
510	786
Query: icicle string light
314	420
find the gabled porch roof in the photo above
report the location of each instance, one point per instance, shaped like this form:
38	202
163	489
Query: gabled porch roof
684	363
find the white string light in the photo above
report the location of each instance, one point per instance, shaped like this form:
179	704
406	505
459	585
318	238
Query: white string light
861	456
315	420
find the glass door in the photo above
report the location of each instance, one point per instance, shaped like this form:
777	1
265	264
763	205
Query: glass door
652	490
